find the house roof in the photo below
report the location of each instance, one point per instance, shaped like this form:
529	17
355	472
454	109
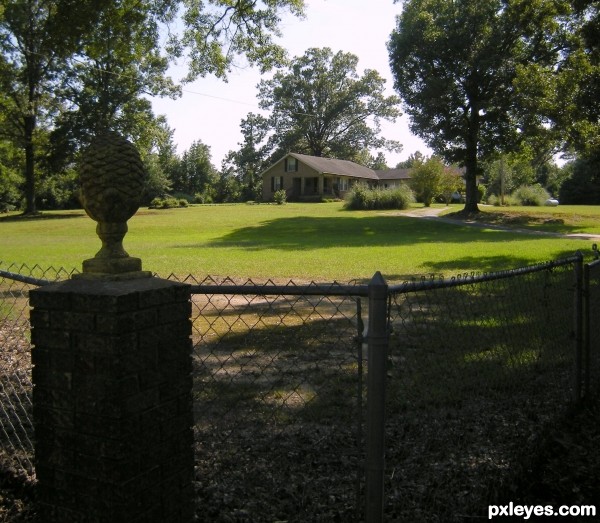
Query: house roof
345	168
334	166
393	174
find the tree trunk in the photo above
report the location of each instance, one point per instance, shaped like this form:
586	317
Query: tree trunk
30	206
472	194
471	189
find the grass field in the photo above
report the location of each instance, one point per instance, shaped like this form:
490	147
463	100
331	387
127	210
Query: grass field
319	242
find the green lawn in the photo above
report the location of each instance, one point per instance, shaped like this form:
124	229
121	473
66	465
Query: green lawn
318	242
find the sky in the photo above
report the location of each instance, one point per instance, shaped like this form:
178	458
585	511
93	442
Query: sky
210	110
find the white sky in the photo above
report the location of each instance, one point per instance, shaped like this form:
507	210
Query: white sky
211	110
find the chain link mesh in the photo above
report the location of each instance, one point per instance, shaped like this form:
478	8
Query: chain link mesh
16	426
476	370
592	329
278	386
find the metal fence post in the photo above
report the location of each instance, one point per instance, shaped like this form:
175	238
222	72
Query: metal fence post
579	324
376	384
586	344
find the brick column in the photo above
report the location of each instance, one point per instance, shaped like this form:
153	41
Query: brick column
112	401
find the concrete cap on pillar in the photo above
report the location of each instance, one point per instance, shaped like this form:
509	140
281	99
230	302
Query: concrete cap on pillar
112	177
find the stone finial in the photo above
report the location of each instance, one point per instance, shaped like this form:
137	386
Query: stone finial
112	176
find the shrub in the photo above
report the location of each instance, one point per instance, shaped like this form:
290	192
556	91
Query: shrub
280	197
531	195
509	200
156	203
168	203
360	197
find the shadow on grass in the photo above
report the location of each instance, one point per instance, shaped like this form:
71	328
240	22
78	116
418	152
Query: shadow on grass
303	232
41	216
277	414
478	375
486	264
475	375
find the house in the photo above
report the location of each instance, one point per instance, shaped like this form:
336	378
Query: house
390	178
306	177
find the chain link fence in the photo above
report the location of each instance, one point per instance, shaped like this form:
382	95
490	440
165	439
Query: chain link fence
16	425
591	326
477	367
279	398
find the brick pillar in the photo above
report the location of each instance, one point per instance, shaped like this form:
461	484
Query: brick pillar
112	401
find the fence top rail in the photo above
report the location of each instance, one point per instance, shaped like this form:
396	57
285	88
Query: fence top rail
24	279
333	289
338	289
593	265
469	279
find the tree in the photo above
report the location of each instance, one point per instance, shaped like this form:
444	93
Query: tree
247	163
104	86
196	174
36	37
568	87
427	180
321	106
450	183
454	63
413	160
583	187
228	188
10	177
45	42
214	36
377	163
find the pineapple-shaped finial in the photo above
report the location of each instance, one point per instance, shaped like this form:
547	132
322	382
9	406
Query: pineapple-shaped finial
112	177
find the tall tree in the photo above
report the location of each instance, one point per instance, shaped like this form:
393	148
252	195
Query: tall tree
321	106
36	37
39	40
119	63
454	64
568	87
247	163
196	174
214	35
413	160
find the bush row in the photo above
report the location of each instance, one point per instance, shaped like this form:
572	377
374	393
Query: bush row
168	203
527	195
361	197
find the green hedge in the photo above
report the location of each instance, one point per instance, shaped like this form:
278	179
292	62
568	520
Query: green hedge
361	197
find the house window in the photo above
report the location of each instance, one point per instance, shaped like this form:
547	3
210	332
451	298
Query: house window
343	184
291	165
276	183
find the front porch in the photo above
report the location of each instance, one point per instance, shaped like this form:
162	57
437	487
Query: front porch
315	187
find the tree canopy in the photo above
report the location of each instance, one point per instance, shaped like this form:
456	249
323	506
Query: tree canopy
321	106
455	62
247	163
91	61
560	98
